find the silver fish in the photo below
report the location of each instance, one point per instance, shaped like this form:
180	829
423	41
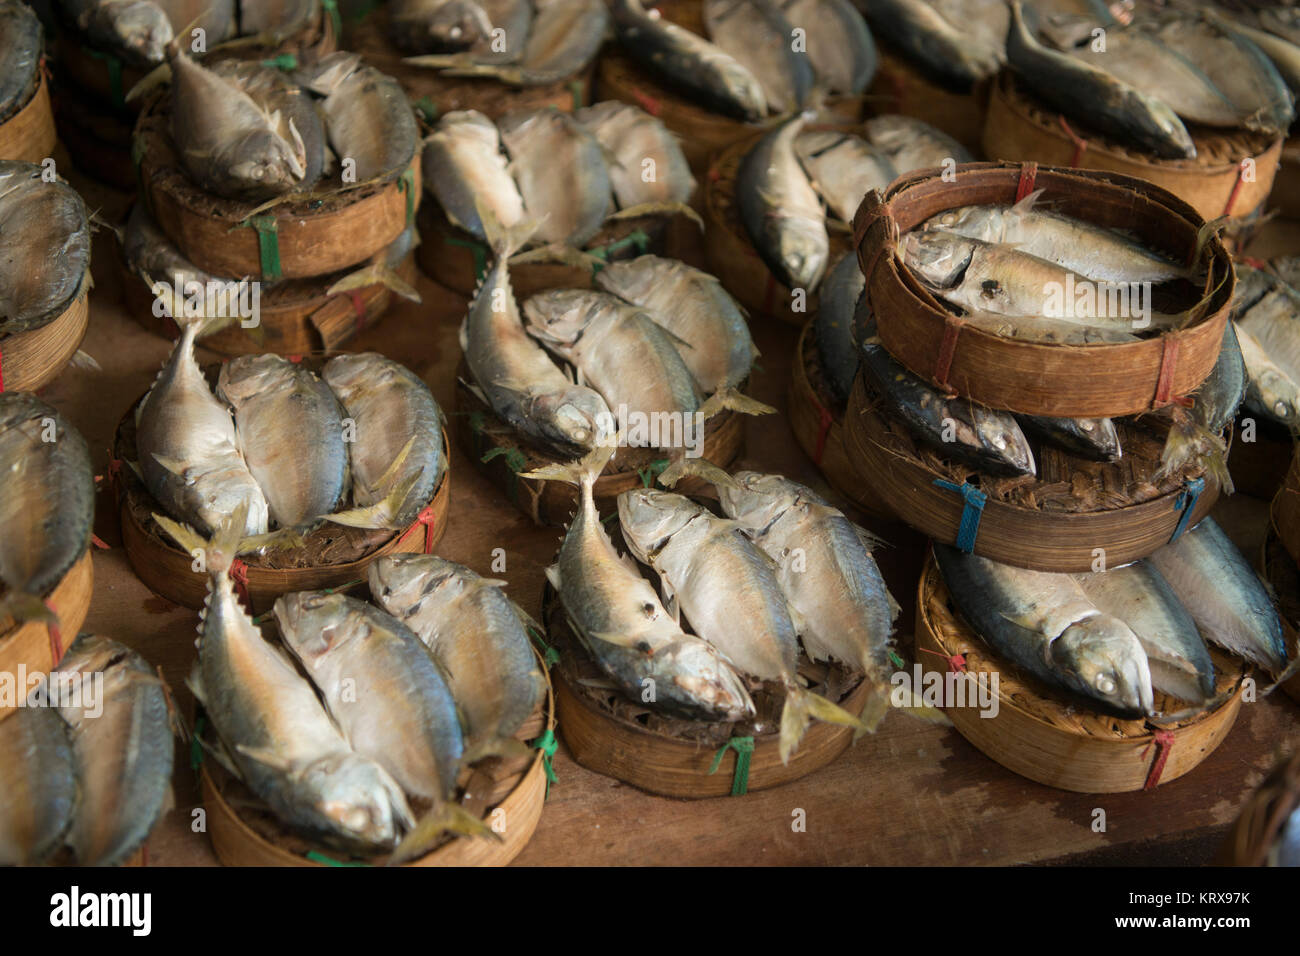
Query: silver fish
423	26
647	163
760	38
512	24
911	144
840	46
371	122
1273	324
1270	389
22	44
276	20
1092	438
839	304
138	29
39	799
151	255
947	52
299	122
465	168
843	168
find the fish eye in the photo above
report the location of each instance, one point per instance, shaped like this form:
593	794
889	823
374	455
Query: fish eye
648	609
1105	684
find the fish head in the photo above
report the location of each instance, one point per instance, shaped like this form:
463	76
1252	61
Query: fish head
649	517
701	672
559	316
357	797
266	164
403	580
458	24
804	251
757	499
248	375
1000	434
574	416
315	622
939	258
142	29
973	222
1103	659
350	373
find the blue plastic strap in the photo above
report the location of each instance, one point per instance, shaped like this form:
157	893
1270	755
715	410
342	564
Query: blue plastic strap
1186	500
972	509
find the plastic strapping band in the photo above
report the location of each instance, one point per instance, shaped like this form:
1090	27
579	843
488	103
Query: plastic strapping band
1080	144
99	543
406	183
516	462
1028	176
239	574
578	90
114	66
972	510
947	351
647	102
317	857
652	471
358	307
1236	187
282	61
56	636
824	422
478	250
1165	381
268	243
336	19
896	660
1163	741
744	748
956	663
1186	501
427	518
550	655
547	744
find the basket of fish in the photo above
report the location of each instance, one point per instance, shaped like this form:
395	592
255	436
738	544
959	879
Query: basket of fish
1045	291
26	119
255	172
46	515
289	317
606	182
412	730
489	56
334	464
1281	572
790	623
1193	101
88	761
653	359
761	58
45	251
1267	830
777	209
1098	682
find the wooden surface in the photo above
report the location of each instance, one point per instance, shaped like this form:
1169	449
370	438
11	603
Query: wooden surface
912	794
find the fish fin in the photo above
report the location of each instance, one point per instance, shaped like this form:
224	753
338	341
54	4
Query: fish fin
802	707
173	465
582	471
222	756
382	514
815	650
279	540
267	757
619	639
659	209
84	361
504	241
552	576
527	619
870	541
504	747
20	607
218	552
728	398
564	255
873	712
185	536
391	472
158	76
444	818
697	468
375	274
1188	441
1026	205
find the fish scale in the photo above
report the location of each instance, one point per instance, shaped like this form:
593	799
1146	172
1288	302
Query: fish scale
39	799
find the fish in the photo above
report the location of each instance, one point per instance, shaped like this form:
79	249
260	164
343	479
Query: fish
1270	390
911	144
1093	438
1087	250
1037	328
729	591
44	248
122	742
477	637
512	24
1221	591
425	26
369	121
959	430
187	447
277	20
397	454
274	730
1045	625
514	374
561	173
840	46
48	506
1217	399
299	122
692	306
617	348
646	162
619	619
1177	657
1106	103
688	62
290	431
793	244
152	256
39	800
1283	53
1273	323
843	168
383	268
138	30
759	37
464	167
834	333
946	52
22	43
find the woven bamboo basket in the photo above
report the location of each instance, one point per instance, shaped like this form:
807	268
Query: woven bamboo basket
610	735
1216	183
37	647
1055	522
97	138
1259	467
899	87
1038	733
818	426
457	261
703	133
29	134
1084	381
332	556
1258	826
309	237
1285	195
436	94
505	792
500	453
31	360
729	254
1282	575
1286	509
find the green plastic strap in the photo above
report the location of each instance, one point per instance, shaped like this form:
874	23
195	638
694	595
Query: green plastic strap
578	90
196	748
427	108
406	183
896	660
268	243
515	460
332	8
651	472
282	61
547	744
480	254
638	239
317	857
550	656
114	75
744	748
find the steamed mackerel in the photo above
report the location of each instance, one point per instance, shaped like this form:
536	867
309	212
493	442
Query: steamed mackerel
840	47
760	38
427	26
298	122
38	801
22	43
946	52
370	121
647	163
843	169
910	143
842	295
465	170
1270	390
1092	438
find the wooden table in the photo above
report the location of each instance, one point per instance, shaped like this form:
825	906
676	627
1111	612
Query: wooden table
912	794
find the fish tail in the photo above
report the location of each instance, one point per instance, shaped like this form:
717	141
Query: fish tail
504	240
19	607
279	540
912	705
1189	441
660	209
382	514
697	468
729	399
873	713
219	552
377	273
802	707
582	471
444	818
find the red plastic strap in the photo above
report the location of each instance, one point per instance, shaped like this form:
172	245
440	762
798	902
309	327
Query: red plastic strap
947	349
294	358
824	423
1165	383
239	574
956	663
1252	262
1236	188
1164	744
427	518
1028	175
1080	144
56	638
648	102
359	307
97	542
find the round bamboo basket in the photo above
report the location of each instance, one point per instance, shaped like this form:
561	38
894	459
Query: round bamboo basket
1286	509
1285	195
457	261
1025	521
1085	381
1041	734
729	254
312	237
34	645
509	790
97	138
501	454
1259	467
29	134
610	735
899	87
436	94
1282	575
31	360
818	426
1215	183
332	556
703	133
297	316
1266	811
